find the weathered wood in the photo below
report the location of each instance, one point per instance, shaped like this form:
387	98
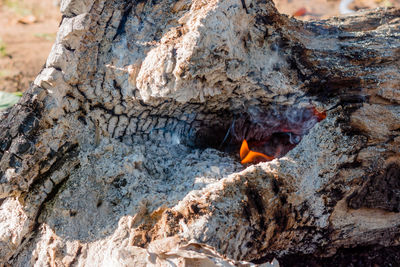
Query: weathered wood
129	137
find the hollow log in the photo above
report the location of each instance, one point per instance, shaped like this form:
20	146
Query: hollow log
125	150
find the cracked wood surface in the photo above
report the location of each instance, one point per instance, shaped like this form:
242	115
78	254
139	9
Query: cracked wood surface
113	148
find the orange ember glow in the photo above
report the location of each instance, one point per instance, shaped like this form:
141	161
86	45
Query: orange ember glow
300	12
320	115
248	156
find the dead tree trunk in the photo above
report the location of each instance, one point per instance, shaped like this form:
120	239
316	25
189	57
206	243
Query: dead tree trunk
125	151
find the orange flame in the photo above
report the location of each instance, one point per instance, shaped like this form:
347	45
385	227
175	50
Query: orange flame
248	156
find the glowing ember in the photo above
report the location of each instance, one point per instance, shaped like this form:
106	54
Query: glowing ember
273	133
320	115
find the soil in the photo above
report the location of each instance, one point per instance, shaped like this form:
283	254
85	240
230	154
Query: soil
28	30
24	47
323	9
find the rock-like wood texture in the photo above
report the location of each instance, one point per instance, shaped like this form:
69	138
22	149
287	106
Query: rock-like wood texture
124	152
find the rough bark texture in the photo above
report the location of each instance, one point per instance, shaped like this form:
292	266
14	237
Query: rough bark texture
117	155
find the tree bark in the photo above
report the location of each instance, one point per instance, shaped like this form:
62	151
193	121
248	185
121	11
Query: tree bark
125	150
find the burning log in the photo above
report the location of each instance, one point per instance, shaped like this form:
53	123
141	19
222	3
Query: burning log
127	142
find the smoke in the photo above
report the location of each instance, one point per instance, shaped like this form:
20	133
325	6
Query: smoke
294	139
273	130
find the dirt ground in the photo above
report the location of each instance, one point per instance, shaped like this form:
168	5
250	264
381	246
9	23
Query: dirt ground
322	9
28	29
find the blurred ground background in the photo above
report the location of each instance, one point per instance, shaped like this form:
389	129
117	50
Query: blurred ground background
28	29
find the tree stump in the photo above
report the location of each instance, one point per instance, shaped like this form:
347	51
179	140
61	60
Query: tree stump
125	150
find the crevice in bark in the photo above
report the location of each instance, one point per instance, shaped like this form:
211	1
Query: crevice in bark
381	190
127	10
66	152
359	256
53	193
